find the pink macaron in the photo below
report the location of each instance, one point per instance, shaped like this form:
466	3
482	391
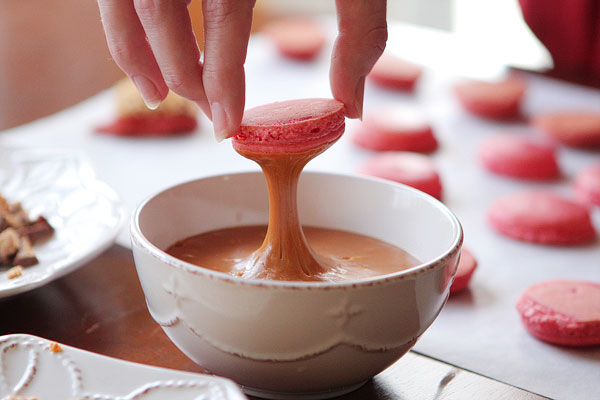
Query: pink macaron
464	271
542	217
291	126
562	312
571	128
412	169
393	73
395	129
494	100
519	157
587	185
298	38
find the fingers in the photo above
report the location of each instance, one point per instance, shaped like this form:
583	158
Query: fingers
169	31
362	33
128	46
226	32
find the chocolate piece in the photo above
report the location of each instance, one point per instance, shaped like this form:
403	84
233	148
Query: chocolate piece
9	245
25	255
18	232
37	230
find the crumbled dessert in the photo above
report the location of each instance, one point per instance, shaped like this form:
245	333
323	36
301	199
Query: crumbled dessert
18	233
54	347
14	272
174	116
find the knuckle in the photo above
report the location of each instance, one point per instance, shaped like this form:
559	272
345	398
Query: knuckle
178	83
377	37
122	52
219	11
146	6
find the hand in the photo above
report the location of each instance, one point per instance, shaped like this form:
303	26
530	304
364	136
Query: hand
153	43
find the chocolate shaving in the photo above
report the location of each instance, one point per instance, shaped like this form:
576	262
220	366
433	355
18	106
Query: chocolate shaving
18	232
37	230
9	245
25	256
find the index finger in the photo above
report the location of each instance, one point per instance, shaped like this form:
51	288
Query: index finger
169	30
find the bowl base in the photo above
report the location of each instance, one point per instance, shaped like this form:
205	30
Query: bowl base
326	394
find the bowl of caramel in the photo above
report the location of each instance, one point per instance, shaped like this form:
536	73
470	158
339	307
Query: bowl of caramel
311	306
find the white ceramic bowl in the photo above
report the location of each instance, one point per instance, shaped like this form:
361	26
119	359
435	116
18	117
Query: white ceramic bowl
293	339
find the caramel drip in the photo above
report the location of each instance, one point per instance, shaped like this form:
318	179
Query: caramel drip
285	254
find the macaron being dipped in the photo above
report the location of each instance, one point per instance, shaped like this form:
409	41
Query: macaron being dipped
412	169
466	266
493	100
292	126
519	157
542	217
572	128
393	73
587	185
562	312
395	129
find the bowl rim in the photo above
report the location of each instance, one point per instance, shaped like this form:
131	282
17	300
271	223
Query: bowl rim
140	241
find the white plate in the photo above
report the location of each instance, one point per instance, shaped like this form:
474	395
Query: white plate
86	214
28	368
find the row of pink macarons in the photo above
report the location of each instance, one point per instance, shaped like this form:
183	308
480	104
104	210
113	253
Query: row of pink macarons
558	311
563	312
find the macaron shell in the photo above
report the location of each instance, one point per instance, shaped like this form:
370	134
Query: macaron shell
466	266
393	73
572	128
519	157
495	100
542	217
395	129
291	126
587	185
150	125
299	39
562	312
410	169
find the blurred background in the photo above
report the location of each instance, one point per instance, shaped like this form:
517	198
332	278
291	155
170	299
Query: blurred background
53	53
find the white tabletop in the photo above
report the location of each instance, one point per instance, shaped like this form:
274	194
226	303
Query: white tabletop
478	330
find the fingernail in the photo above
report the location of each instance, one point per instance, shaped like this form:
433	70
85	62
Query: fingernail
220	122
359	95
148	90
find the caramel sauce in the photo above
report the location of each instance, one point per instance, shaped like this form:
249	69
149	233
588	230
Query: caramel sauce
288	252
342	255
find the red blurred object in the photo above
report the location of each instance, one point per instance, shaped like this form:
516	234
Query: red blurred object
570	30
150	125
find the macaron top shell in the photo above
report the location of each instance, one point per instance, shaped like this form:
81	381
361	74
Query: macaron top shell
397	120
587	184
542	217
297	38
579	300
392	72
405	165
538	209
517	156
571	128
291	126
509	89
